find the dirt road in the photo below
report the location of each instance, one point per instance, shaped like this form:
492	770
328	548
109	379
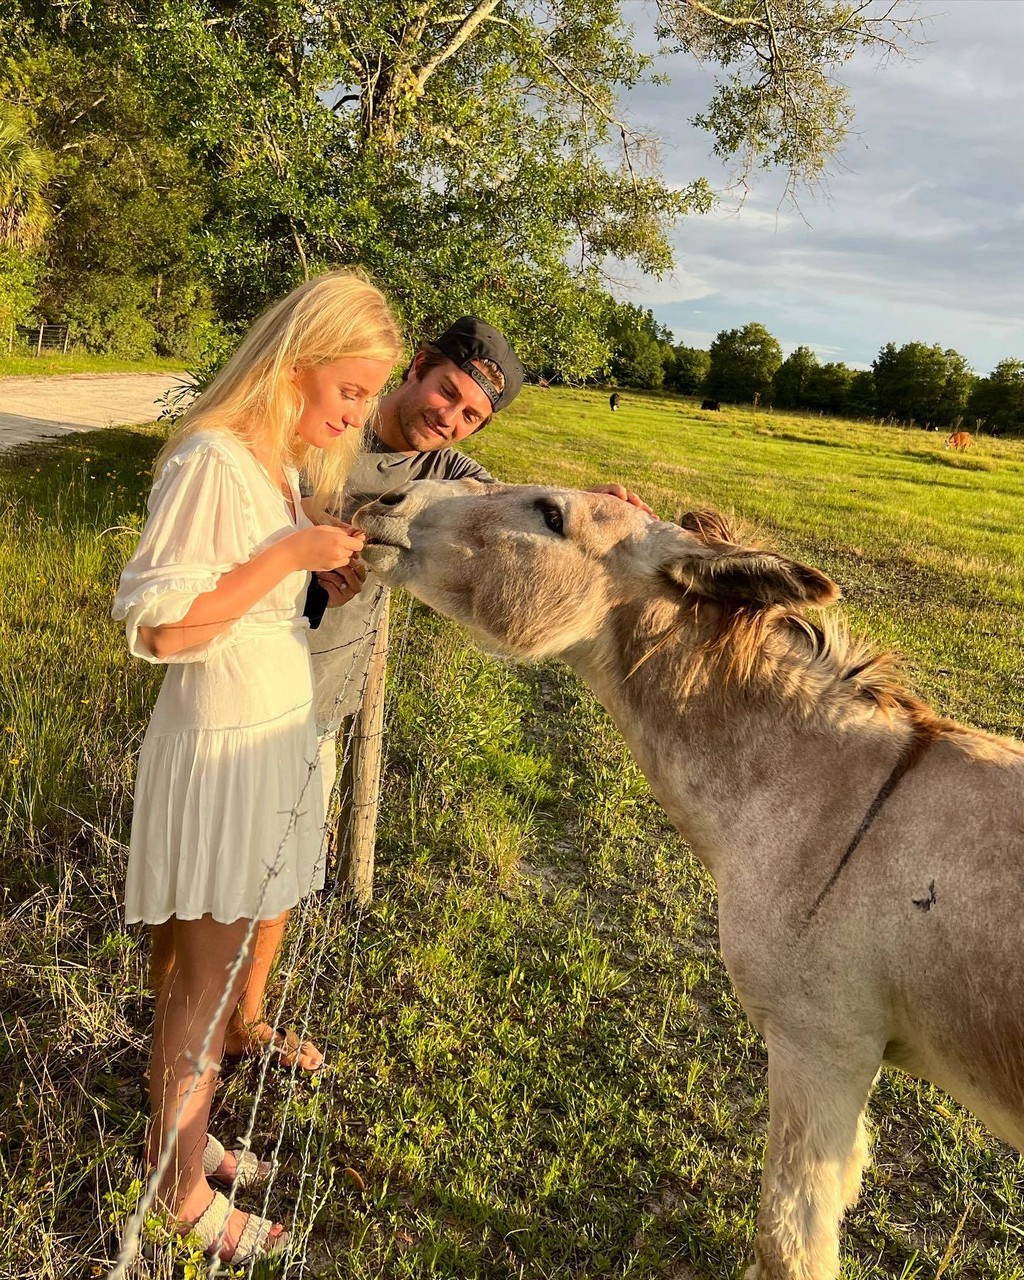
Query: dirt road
37	408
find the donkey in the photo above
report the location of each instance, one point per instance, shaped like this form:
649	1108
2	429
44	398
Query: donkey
868	855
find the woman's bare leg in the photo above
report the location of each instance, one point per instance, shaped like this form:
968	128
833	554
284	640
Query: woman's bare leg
161	955
246	1031
186	1014
189	1016
247	1027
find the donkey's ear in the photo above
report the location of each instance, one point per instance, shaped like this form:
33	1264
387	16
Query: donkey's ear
747	576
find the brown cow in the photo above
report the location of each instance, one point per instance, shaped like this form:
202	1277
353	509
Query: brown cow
959	440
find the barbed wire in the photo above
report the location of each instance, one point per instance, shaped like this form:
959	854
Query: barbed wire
132	1235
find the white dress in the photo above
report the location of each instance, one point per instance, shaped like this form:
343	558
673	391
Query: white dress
229	807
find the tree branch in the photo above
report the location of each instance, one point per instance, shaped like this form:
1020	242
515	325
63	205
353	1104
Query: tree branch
479	15
722	17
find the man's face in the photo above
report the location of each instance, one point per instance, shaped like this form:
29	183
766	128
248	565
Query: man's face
439	407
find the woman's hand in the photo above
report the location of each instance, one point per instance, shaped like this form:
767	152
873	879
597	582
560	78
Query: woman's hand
324	547
343	585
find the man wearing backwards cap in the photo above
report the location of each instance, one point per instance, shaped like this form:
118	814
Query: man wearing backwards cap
452	388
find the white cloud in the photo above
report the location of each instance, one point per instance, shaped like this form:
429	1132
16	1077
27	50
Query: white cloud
920	236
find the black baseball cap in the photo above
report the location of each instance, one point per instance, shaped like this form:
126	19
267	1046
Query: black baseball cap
470	339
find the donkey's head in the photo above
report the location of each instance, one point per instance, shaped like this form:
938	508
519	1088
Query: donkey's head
535	571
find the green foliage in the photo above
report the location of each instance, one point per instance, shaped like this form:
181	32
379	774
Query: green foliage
107	314
781	103
828	388
743	363
860	401
19	272
801	382
922	384
451	163
690	368
25	169
997	401
123	258
210	155
638	344
791	379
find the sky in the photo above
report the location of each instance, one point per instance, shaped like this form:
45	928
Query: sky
921	236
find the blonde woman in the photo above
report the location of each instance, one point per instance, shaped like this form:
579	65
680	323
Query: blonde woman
228	813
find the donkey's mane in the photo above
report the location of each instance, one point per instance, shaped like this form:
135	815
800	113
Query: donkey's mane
753	644
742	646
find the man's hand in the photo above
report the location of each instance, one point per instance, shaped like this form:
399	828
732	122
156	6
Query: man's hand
344	584
617	491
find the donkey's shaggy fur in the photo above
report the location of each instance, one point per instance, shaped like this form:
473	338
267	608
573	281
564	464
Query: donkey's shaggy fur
867	854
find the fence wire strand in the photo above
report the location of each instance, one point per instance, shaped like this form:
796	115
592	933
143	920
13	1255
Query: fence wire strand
311	931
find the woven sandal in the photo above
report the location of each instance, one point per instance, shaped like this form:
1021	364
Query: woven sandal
250	1170
254	1242
289	1047
283	1044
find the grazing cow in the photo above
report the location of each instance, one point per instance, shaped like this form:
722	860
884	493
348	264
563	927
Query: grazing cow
613	401
867	854
710	404
959	440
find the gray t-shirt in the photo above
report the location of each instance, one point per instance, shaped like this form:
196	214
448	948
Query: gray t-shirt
342	644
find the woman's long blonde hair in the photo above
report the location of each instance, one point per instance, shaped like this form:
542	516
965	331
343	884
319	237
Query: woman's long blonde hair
338	314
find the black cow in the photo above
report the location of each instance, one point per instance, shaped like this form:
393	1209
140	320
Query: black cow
613	401
710	404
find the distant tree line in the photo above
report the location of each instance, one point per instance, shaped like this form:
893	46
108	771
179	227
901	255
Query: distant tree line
917	384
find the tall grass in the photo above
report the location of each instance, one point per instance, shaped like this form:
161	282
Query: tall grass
538	1066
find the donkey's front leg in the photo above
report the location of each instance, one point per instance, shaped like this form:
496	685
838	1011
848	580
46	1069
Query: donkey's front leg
816	1149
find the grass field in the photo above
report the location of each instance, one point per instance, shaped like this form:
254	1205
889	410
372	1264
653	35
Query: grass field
25	365
539	1069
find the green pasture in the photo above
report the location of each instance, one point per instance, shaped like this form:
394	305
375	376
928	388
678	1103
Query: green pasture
538	1066
26	364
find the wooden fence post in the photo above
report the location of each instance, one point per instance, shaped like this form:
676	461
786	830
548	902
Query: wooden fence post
39	344
366	751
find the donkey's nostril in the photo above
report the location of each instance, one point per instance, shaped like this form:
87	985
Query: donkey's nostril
390	499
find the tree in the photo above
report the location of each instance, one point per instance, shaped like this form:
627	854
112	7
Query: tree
690	370
474	159
124	256
789	385
956	389
469	164
828	388
781	103
920	383
742	364
860	399
637	348
998	400
25	217
25	169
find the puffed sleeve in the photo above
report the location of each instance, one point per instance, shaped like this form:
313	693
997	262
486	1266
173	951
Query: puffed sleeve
199	526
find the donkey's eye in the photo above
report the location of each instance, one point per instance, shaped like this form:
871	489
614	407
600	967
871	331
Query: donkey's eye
551	516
